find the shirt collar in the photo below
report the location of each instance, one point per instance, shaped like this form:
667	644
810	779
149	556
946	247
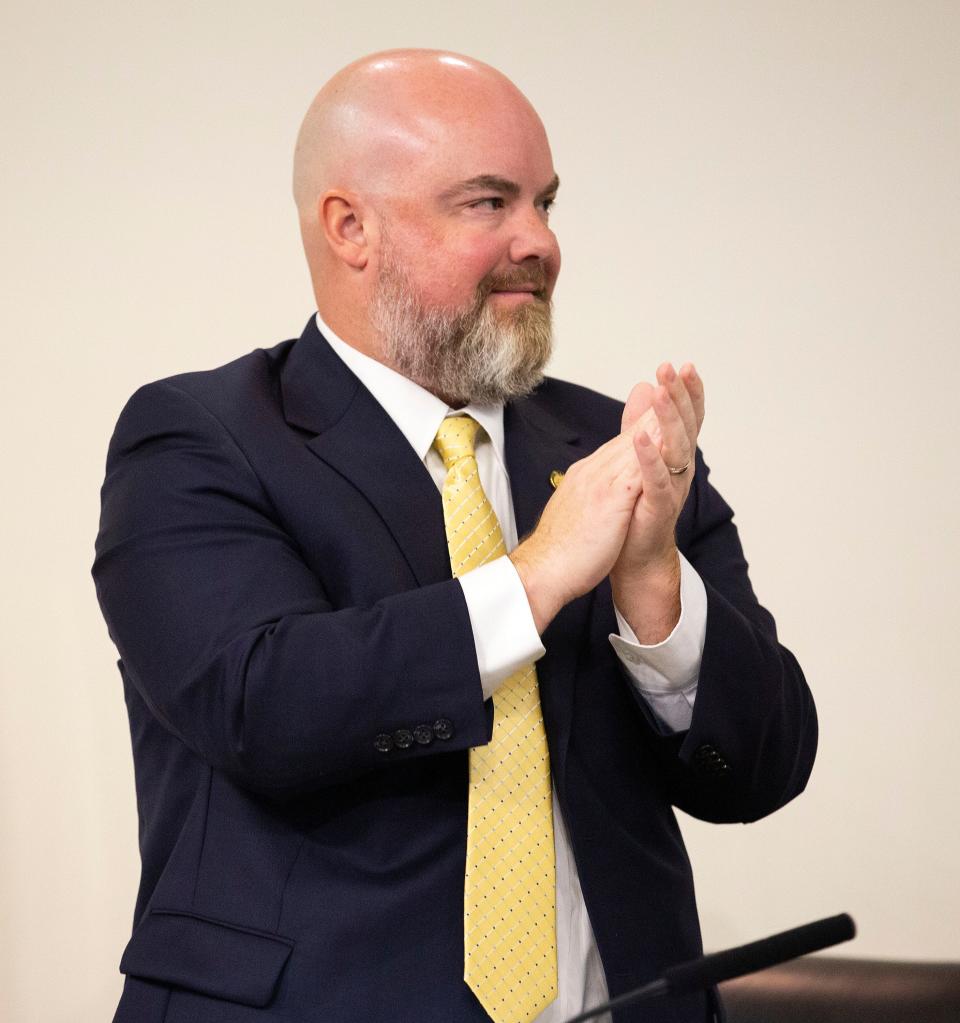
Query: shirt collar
416	412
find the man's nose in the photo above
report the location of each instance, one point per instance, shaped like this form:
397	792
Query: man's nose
532	238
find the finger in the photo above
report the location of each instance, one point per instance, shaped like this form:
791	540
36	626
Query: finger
677	446
656	479
667	377
611	461
639	402
624	468
650	423
616	455
616	451
694	385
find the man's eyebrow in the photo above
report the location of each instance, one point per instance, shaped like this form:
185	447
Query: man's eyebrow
483	182
494	183
551	189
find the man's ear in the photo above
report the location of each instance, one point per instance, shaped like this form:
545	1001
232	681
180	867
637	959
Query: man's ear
343	219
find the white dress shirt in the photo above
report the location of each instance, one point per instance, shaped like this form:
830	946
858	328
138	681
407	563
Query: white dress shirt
506	638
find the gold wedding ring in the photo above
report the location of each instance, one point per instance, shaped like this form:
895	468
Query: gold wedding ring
674	471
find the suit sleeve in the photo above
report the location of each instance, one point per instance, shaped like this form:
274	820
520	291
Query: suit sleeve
229	637
753	735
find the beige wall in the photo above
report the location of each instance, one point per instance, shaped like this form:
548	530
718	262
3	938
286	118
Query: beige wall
771	189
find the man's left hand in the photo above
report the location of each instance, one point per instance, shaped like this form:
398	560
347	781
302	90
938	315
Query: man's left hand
665	422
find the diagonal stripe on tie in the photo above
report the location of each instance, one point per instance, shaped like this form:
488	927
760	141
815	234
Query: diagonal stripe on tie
509	910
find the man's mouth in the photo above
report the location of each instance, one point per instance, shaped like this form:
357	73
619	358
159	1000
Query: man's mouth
521	292
521	286
517	296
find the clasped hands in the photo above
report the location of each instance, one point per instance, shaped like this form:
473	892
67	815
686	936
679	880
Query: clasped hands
615	513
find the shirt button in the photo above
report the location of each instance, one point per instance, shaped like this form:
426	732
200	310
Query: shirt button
403	738
383	743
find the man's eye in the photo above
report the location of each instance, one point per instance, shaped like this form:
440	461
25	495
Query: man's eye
547	204
493	202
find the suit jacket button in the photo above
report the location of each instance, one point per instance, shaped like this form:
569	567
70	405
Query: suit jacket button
403	738
443	728
709	761
383	743
423	734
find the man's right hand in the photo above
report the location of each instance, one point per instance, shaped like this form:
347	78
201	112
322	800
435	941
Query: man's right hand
581	530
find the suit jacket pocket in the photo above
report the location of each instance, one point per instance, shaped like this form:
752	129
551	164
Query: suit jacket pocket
211	957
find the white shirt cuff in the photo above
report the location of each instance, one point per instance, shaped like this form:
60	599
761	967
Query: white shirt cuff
504	631
666	673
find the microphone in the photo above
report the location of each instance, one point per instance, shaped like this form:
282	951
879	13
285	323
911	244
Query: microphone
735	962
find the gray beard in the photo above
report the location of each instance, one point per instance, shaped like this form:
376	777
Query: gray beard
462	356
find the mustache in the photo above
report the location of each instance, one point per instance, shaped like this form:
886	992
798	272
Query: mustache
522	277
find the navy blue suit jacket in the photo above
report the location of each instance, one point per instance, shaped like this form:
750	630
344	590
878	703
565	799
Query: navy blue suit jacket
273	569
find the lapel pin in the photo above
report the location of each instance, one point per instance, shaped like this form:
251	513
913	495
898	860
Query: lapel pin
555	478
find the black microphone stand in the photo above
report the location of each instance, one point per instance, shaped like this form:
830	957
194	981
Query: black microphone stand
652	990
735	962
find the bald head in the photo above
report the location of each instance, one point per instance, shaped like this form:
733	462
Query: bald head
386	112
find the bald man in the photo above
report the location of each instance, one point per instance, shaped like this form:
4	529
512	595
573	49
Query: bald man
391	763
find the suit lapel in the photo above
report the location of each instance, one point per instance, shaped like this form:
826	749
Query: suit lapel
356	438
536	444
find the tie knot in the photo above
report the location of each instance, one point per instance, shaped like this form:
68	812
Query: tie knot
455	438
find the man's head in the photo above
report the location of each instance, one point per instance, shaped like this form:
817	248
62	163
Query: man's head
423	182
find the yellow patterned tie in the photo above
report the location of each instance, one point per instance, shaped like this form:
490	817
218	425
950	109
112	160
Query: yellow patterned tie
509	911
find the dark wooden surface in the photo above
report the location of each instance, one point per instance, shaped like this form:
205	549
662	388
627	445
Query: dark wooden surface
823	989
